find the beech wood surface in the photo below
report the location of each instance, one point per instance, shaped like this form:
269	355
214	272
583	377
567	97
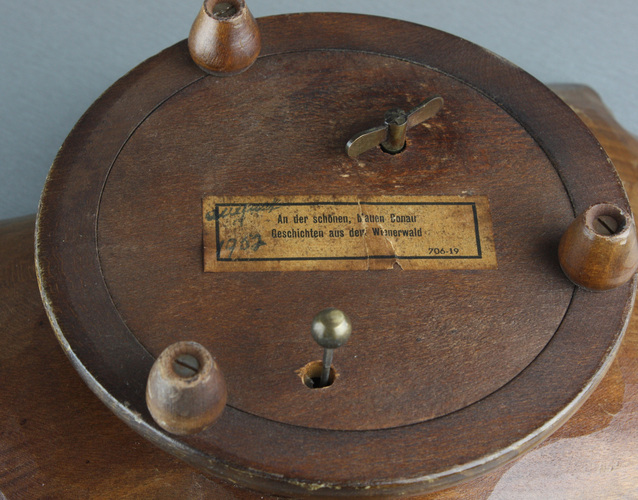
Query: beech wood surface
58	440
119	259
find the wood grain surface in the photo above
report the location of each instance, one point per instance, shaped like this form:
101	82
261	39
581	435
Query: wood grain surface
118	251
58	440
153	270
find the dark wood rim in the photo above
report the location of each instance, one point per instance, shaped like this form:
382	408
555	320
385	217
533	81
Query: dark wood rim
501	426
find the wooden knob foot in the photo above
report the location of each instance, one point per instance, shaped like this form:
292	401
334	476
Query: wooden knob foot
224	39
599	250
185	392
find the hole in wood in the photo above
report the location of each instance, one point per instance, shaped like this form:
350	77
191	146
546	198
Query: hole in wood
387	151
606	219
311	375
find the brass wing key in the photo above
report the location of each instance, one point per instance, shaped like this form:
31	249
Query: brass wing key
391	135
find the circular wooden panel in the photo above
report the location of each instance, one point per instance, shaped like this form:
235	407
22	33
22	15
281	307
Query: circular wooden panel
444	368
425	343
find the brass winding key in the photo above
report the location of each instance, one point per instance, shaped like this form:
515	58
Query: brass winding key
391	135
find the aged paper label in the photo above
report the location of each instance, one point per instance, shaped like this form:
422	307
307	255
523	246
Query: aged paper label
339	233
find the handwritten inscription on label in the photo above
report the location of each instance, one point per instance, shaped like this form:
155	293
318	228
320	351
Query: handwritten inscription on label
312	233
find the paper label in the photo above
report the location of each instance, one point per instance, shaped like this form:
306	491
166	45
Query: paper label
345	233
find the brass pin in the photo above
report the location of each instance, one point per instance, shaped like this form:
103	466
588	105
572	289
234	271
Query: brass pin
331	329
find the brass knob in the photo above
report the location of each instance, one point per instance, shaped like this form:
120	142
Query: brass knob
331	329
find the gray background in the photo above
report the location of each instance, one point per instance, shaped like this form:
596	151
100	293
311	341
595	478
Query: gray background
56	58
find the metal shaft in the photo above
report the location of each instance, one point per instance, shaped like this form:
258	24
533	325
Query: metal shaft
327	363
397	123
